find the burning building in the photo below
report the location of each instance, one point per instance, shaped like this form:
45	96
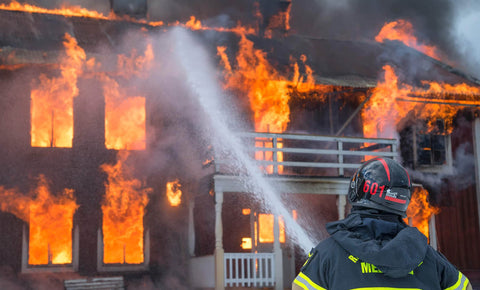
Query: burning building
108	168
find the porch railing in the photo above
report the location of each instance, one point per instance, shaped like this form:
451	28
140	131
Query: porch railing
298	154
249	269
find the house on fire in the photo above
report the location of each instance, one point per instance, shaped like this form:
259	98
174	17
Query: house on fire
107	174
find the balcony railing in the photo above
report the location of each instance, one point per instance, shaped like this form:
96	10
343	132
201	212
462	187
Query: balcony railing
249	269
296	154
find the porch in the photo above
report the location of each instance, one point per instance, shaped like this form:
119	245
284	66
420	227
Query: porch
291	164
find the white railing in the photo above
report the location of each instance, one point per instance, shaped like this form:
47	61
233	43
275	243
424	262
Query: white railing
298	154
249	269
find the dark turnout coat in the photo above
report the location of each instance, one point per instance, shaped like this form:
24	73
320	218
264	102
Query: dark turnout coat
367	251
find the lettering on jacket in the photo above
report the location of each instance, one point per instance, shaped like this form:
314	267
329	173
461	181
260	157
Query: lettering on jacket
368	268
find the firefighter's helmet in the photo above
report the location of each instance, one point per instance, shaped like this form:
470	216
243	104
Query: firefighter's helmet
383	184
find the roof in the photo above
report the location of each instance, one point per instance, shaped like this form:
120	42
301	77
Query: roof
37	38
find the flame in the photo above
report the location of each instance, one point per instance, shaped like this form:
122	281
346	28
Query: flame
402	30
125	115
392	100
66	11
52	101
195	24
50	219
123	209
174	194
420	211
280	20
246	243
265	228
268	91
74	11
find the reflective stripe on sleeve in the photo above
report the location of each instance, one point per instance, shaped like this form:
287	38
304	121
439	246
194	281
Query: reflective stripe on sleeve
303	281
461	283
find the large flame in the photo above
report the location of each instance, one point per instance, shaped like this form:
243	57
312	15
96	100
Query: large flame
123	209
52	100
267	90
392	100
125	115
420	210
402	30
50	219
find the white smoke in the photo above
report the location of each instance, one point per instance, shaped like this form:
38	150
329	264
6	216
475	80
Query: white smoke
466	24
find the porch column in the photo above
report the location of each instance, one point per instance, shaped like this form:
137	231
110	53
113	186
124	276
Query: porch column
219	252
277	253
476	151
341	203
191	227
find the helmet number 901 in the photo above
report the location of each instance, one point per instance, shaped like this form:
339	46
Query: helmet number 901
372	187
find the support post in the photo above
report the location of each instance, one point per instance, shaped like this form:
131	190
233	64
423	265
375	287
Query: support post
278	256
191	227
476	150
342	202
219	252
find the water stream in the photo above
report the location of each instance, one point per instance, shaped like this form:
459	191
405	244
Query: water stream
200	75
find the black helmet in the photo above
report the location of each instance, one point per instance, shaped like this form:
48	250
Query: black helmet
383	184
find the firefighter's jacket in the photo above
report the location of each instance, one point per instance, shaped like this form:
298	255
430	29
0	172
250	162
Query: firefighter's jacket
365	252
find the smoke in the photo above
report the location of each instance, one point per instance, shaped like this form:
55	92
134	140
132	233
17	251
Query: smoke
464	31
460	175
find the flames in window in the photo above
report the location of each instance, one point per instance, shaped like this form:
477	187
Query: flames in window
174	193
52	100
123	208
50	219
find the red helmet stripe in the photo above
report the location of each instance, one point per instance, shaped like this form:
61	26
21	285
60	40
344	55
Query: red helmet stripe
397	200
408	175
386	167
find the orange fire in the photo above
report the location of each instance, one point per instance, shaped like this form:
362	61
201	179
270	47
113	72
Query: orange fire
125	115
265	228
52	100
123	209
67	11
268	91
280	20
420	210
195	24
174	193
392	100
50	219
402	30
74	11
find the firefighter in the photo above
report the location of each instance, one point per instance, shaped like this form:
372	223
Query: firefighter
373	248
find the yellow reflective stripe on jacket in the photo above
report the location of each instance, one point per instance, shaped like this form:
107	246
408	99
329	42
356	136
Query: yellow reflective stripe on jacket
385	288
303	281
461	284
